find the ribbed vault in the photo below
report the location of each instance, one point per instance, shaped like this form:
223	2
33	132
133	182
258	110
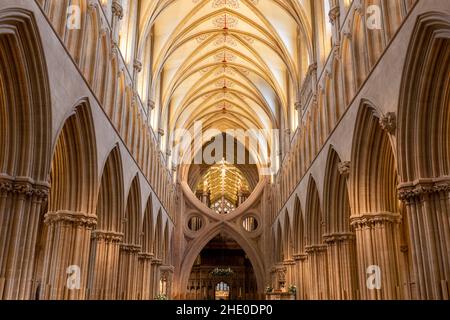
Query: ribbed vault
232	64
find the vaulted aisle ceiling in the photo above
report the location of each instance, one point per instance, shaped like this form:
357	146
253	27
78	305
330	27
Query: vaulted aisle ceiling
233	64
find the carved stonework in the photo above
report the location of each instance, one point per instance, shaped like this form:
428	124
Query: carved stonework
77	219
130	248
389	122
117	9
24	187
338	237
107	236
145	256
334	14
161	132
373	220
315	249
137	65
344	168
415	191
151	104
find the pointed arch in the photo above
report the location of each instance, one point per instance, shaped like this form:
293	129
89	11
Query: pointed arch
132	229
74	166
147	227
110	204
314	219
336	200
299	232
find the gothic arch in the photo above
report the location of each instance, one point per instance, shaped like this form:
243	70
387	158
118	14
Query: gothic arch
298	227
147	227
424	151
339	237
72	202
424	115
25	144
336	200
314	218
25	132
375	207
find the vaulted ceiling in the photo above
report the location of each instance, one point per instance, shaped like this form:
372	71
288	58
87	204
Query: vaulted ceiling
232	64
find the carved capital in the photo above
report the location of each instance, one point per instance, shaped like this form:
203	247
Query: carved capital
145	256
413	191
76	219
300	257
338	237
130	248
371	220
315	249
156	262
107	236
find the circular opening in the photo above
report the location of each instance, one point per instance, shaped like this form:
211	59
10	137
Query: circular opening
250	224
195	223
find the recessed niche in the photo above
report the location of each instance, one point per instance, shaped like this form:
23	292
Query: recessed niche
250	224
195	223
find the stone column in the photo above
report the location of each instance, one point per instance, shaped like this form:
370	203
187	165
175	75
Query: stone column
66	260
317	260
145	288
21	201
301	275
378	246
104	265
128	270
427	210
290	272
342	268
156	263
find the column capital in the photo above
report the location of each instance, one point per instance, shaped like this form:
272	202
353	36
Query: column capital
107	236
145	256
78	219
315	248
131	248
300	256
156	262
369	220
410	191
24	186
338	237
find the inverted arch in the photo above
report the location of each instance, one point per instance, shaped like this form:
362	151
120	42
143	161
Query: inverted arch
197	246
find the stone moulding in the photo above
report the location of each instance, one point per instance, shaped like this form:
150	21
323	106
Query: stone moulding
80	219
